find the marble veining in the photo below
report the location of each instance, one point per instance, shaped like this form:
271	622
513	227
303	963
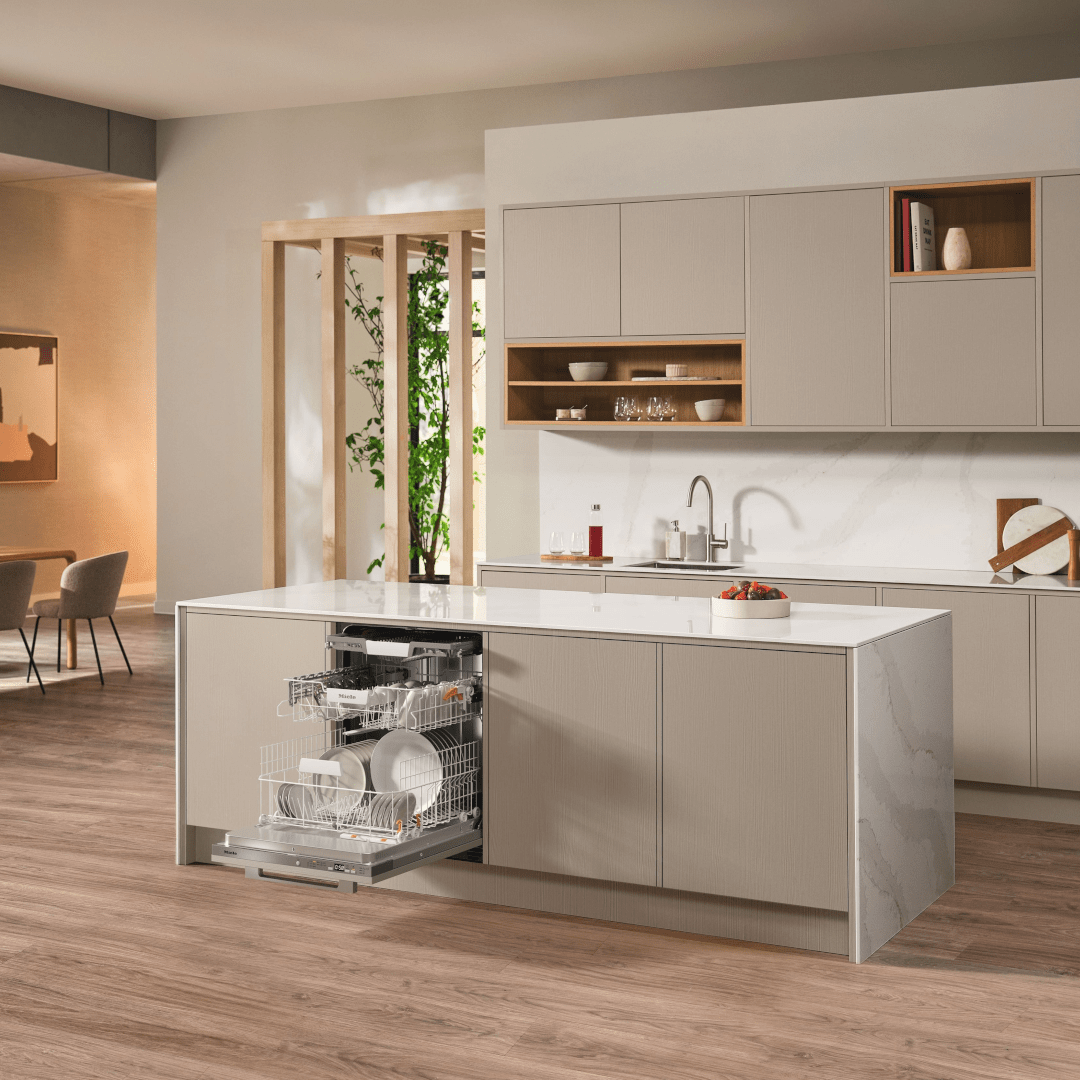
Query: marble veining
619	613
903	781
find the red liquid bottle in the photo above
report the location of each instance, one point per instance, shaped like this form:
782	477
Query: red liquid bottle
596	533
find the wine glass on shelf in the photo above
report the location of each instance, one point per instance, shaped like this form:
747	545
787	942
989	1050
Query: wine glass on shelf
620	408
557	544
633	409
667	408
654	410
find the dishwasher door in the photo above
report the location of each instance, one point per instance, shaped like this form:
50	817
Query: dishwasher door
329	859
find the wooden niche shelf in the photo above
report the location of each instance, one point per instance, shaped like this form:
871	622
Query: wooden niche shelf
538	382
997	215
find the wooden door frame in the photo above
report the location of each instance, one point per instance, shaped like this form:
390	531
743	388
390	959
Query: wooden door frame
391	238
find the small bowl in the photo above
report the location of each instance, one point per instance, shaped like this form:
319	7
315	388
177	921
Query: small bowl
710	409
588	370
562	414
751	609
578	414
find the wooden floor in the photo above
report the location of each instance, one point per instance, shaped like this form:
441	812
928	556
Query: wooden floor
116	963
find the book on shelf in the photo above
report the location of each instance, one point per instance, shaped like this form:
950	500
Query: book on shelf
923	250
905	234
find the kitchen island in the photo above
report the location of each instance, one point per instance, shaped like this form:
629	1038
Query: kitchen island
786	781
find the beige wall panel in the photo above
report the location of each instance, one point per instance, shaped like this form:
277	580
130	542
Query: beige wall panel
690	586
963	352
235	668
561	271
682	267
1060	290
816	341
570	726
541	579
755	774
1057	707
991	681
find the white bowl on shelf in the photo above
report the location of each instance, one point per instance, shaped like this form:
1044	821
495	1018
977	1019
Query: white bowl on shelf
588	370
710	409
751	609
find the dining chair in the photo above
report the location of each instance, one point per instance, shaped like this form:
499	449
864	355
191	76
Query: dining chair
16	585
89	590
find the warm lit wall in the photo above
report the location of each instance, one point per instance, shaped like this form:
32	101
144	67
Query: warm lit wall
77	261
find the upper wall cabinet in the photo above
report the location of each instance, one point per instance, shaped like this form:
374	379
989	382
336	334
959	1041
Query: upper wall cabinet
817	309
963	352
1061	291
561	272
682	267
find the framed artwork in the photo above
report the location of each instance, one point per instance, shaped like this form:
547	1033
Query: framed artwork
27	408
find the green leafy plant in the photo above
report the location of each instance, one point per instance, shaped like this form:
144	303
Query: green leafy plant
429	408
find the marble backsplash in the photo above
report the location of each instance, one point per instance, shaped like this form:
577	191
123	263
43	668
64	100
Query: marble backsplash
922	500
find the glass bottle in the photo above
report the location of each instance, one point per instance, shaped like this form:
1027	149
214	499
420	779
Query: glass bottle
596	533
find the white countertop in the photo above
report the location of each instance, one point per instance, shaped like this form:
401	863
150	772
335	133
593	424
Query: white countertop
649	617
772	572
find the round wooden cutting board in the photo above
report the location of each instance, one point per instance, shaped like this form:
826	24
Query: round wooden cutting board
1050	558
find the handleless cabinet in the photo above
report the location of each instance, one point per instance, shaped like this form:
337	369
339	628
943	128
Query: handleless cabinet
542	579
816	340
755	774
963	352
682	267
561	272
1057	705
570	775
991	681
1060	290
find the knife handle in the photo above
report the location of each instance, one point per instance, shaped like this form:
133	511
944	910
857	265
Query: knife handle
1074	554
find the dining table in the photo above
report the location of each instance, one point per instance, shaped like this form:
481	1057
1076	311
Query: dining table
42	554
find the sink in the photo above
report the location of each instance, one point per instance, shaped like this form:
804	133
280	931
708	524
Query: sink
696	567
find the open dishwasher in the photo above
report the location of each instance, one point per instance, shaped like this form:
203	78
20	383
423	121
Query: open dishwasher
385	773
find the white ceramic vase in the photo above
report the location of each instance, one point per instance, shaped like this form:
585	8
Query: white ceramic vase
956	254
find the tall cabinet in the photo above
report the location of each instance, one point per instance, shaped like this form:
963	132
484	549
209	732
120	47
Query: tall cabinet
1061	291
817	309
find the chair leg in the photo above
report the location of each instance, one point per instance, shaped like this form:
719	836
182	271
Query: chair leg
29	652
121	644
33	646
59	639
96	656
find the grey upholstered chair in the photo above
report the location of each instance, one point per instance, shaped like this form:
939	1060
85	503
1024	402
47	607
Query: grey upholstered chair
88	590
16	585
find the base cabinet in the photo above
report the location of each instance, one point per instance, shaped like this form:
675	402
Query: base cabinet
570	737
1057	642
991	681
755	774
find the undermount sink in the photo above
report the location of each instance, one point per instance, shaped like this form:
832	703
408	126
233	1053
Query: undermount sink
674	564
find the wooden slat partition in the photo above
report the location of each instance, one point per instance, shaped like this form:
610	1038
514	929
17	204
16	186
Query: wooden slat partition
273	413
460	465
333	408
396	406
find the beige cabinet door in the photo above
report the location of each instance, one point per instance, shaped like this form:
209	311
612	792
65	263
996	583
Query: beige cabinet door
1060	290
691	586
816	340
235	667
755	774
963	352
561	272
1057	690
991	681
570	733
541	579
683	267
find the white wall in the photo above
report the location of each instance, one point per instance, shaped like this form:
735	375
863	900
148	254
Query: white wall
878	499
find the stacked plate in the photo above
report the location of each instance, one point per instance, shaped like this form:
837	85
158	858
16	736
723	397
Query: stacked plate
423	778
387	809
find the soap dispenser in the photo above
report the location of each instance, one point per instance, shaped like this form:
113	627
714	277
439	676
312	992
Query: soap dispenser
676	542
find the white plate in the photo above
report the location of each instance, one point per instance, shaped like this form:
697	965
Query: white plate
353	776
1050	558
400	746
751	609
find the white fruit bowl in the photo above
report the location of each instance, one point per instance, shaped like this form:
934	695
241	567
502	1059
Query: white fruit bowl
711	409
751	609
588	370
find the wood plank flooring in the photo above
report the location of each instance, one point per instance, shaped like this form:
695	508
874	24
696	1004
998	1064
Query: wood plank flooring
116	963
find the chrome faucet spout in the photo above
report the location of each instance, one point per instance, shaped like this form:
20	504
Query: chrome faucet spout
711	542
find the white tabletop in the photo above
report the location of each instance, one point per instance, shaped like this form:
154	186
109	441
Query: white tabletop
649	617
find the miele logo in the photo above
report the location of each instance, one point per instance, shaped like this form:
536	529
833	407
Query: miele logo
229	851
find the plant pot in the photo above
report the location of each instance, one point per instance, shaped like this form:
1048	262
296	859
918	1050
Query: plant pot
437	579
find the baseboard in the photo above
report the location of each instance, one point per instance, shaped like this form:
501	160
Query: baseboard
1034	804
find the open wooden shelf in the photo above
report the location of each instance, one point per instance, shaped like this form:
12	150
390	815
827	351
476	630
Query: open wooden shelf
997	215
538	383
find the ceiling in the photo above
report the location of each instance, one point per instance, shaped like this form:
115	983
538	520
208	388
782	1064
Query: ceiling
169	58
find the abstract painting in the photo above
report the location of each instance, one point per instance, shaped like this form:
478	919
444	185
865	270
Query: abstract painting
27	408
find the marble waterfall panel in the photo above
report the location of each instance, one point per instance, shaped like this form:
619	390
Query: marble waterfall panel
904	845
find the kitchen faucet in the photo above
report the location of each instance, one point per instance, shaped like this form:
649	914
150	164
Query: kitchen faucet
710	538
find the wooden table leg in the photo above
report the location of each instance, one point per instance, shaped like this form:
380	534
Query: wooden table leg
73	648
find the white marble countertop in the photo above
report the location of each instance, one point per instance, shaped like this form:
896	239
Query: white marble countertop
649	617
772	572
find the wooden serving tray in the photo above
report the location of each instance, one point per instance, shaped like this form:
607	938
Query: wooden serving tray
576	558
